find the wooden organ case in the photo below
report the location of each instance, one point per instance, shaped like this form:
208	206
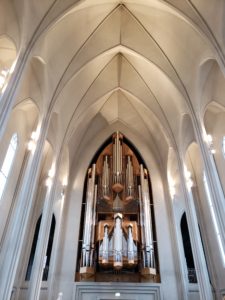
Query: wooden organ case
117	236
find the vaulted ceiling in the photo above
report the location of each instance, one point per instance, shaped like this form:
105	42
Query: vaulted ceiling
131	62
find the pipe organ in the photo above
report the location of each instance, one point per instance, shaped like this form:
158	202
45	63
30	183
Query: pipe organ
118	233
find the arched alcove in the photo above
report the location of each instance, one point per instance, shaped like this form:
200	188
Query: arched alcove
48	251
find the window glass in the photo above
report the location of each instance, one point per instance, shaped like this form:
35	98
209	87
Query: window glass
7	163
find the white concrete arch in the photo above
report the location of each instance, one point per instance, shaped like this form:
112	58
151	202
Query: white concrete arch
34	84
73	202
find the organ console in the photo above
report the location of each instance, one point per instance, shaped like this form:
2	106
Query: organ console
118	235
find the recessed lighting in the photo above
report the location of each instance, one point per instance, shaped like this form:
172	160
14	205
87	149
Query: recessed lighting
117	294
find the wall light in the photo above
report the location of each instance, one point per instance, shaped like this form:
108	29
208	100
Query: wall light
33	140
209	141
48	182
51	174
172	189
187	175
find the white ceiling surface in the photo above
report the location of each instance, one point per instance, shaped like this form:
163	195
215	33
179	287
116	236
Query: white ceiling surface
134	62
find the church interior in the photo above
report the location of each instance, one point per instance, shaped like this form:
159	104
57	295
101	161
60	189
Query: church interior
112	150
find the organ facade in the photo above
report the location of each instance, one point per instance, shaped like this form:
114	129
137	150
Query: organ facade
118	239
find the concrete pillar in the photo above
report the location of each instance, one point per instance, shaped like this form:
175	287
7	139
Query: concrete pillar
197	248
213	179
43	237
15	235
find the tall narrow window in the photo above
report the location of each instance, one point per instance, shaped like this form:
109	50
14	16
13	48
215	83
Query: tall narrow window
48	252
192	278
218	234
8	161
33	249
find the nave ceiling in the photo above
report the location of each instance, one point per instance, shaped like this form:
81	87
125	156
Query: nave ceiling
136	63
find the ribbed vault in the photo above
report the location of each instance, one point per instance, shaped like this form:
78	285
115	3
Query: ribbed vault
127	62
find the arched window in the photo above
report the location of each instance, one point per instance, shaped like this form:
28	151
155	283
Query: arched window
187	250
48	252
7	163
33	249
223	146
215	223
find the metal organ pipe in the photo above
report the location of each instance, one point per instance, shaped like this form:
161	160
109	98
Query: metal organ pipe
130	242
147	220
105	246
118	241
117	159
93	227
105	177
129	177
91	195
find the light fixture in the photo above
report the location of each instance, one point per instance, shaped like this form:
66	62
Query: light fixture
172	189
209	141
64	185
2	81
31	145
117	294
209	138
65	181
48	182
11	70
33	140
51	172
3	78
187	175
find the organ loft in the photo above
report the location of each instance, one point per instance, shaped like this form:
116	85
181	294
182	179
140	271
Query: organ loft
117	232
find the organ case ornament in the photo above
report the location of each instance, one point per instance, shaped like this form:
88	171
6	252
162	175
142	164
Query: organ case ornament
118	235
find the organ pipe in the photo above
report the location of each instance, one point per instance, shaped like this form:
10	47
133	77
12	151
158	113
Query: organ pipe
105	251
105	177
93	227
118	241
86	247
129	177
117	159
130	245
147	220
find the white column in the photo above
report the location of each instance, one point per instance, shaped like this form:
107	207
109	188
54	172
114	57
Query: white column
15	236
213	180
57	243
43	237
198	253
147	220
86	246
216	192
